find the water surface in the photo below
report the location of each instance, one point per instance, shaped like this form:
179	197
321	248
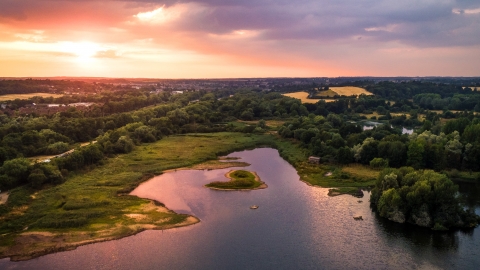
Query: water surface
296	227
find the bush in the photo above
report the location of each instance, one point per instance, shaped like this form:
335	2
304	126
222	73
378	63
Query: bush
378	163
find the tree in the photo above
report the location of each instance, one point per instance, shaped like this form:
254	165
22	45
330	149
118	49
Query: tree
37	178
378	163
18	169
424	198
345	155
415	154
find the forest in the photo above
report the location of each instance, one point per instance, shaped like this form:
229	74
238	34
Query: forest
414	169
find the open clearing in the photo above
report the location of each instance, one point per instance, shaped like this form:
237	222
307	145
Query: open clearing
303	97
326	93
349	91
27	96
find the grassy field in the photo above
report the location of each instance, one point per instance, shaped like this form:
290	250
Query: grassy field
272	124
326	175
378	115
27	96
326	93
303	97
349	91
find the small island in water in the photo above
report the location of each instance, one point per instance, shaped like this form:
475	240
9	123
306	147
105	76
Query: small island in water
239	180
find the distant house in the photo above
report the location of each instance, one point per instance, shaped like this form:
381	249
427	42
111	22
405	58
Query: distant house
81	104
315	160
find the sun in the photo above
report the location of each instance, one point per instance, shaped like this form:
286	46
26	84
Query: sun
85	50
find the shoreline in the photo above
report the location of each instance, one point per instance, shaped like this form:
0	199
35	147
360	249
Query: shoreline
211	165
257	178
58	241
25	240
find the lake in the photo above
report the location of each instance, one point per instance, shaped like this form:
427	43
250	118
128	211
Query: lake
368	125
295	227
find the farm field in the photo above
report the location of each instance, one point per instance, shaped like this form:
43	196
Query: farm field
326	93
27	96
303	97
349	91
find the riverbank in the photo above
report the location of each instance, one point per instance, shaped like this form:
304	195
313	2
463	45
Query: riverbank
150	216
87	207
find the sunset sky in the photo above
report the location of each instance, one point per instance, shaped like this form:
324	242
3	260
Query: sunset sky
233	38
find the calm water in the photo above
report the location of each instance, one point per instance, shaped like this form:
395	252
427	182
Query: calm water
368	125
296	227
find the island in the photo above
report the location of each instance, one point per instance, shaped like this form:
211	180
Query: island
239	180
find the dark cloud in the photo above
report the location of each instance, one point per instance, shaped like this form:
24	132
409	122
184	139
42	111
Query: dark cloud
422	23
415	22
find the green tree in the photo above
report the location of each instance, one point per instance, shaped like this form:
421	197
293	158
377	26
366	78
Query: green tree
415	154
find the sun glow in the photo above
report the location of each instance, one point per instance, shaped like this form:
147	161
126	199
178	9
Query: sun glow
84	51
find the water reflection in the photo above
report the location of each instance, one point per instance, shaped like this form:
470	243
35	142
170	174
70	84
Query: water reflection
296	227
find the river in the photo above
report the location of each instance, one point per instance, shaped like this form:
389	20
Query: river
295	227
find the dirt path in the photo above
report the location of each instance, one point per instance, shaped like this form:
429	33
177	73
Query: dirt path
3	197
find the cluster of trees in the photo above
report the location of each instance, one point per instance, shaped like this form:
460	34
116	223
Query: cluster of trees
329	130
407	90
455	145
424	198
460	102
121	133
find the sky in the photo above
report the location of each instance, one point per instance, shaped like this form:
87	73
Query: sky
239	38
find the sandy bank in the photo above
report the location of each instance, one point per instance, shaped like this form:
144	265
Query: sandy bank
32	244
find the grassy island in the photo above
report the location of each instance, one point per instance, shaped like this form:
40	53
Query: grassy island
239	180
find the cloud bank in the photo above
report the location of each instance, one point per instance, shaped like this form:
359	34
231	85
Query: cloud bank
278	37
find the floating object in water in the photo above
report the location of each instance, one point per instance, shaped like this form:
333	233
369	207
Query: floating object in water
254	206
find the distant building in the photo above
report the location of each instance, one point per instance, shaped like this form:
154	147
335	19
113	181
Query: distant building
81	104
314	160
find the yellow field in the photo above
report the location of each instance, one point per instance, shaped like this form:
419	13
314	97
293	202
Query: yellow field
27	96
349	91
326	93
303	97
392	114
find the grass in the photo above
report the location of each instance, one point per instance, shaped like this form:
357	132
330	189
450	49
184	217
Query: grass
239	179
27	96
347	176
271	124
302	96
349	91
326	93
